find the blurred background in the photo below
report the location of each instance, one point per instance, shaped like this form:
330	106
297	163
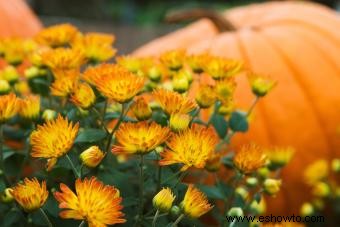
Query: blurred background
134	22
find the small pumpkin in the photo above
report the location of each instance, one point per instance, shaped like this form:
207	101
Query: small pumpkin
295	43
17	19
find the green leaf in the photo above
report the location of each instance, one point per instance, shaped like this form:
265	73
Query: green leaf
160	118
228	160
238	121
220	124
11	218
90	135
212	192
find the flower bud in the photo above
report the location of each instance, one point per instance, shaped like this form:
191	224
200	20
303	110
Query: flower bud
272	186
258	207
279	157
92	156
155	73
318	203
241	191
10	74
6	196
252	182
32	72
235	212
263	172
307	209
226	108
49	115
260	86
179	122
163	200
175	211
336	165
180	84
321	189
141	109
4	87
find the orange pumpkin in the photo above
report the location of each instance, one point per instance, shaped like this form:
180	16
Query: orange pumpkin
16	19
296	43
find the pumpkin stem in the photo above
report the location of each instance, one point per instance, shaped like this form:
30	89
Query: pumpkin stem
221	23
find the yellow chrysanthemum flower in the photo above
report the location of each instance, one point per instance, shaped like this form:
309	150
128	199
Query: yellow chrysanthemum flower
9	107
173	59
57	35
197	61
63	86
53	139
141	109
163	200
92	156
83	96
139	138
134	64
31	195
195	203
29	107
63	59
249	158
219	68
225	88
97	47
120	86
16	49
94	202
279	156
205	96
316	171
192	147
171	102
10	74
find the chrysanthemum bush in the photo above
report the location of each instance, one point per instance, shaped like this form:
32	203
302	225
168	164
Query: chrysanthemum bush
88	138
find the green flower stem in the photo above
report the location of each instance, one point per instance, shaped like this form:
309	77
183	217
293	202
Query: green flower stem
178	220
155	219
1	149
82	224
49	223
141	189
159	179
229	202
251	108
171	177
76	173
125	109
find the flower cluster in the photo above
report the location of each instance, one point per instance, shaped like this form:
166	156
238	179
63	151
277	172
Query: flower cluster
111	130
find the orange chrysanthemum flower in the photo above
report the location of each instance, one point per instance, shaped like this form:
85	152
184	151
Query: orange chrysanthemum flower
195	203
16	49
64	85
192	147
8	107
29	107
57	35
139	138
63	59
249	158
83	96
172	102
31	195
98	204
121	85
97	47
53	139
